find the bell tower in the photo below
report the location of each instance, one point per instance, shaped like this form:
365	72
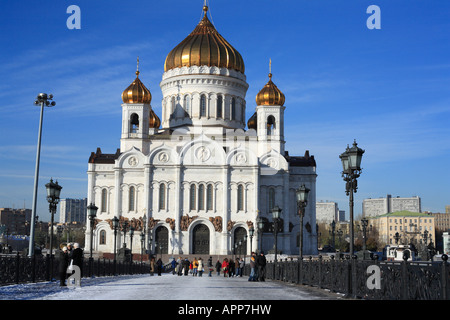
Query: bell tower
136	113
270	116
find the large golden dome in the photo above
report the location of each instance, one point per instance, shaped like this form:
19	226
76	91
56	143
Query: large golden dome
136	92
204	47
270	95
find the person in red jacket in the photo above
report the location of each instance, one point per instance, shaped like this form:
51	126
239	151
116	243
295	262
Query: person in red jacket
225	267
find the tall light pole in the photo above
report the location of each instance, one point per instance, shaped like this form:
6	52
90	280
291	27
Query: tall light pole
276	213
351	164
43	100
302	201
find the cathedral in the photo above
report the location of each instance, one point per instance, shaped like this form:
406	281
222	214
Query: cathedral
196	179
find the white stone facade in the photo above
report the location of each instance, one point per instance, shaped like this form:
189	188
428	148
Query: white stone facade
202	180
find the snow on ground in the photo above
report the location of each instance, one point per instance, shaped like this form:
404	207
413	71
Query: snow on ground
165	287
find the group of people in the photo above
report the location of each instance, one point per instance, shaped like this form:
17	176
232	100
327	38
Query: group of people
257	267
71	254
230	268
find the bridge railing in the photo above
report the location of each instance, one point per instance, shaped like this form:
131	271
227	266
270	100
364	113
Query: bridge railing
366	279
15	269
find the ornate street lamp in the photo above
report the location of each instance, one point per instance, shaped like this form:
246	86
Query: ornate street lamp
397	237
92	214
124	229
53	193
302	201
131	244
115	222
365	223
260	223
251	233
142	243
351	164
276	213
43	100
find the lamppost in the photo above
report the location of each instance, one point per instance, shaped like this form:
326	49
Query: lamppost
43	100
251	233
53	193
115	222
333	232
260	223
351	163
142	244
302	201
276	212
397	237
124	229
365	223
92	214
131	244
59	230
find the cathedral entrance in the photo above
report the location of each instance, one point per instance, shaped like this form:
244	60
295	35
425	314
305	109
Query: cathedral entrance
161	240
240	244
200	239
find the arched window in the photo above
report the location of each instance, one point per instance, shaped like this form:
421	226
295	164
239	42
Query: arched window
240	197
162	196
192	197
131	198
134	123
209	197
233	109
219	107
186	103
104	200
102	239
203	105
201	197
271	199
270	125
173	104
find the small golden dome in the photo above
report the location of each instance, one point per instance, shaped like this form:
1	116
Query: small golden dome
270	95
136	91
154	121
252	122
204	46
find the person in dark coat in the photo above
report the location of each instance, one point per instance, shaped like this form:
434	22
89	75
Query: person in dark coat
186	264
159	266
218	267
77	257
63	264
261	262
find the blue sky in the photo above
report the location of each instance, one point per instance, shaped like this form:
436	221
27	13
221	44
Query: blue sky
389	88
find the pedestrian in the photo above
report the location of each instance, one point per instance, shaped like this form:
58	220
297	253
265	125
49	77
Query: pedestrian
77	257
237	267
152	266
261	262
218	267
225	267
174	264
194	267
200	267
252	276
241	266
179	266
210	266
186	266
256	265
231	268
63	264
159	266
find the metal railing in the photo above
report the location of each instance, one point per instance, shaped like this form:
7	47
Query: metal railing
366	279
15	269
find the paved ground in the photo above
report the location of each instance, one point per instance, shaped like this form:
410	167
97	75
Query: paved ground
172	287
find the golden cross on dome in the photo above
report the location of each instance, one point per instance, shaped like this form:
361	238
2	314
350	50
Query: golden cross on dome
270	68
137	68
